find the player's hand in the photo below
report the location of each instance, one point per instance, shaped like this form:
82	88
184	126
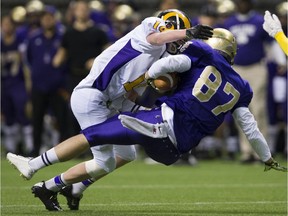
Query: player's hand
271	24
199	32
273	164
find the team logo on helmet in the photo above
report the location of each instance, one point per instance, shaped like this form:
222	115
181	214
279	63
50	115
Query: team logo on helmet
175	19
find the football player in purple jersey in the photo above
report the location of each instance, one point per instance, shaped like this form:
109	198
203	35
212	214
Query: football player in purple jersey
209	88
116	72
253	42
48	82
14	95
277	81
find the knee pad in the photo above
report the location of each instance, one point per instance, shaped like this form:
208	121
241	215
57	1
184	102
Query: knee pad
93	169
104	157
109	164
127	153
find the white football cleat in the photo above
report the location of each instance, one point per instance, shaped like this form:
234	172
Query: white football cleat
22	165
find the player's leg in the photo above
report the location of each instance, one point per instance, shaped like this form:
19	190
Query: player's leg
106	161
10	128
71	147
152	137
64	151
85	173
10	137
161	150
104	156
123	155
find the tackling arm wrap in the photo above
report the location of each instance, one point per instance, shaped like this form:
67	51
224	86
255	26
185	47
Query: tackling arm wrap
174	63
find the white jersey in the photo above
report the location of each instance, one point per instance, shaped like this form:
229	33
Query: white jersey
115	70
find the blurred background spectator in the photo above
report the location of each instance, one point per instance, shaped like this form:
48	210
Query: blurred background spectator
48	82
277	94
251	62
15	122
82	41
90	26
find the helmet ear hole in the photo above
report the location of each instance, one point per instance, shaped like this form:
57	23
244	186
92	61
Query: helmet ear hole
169	25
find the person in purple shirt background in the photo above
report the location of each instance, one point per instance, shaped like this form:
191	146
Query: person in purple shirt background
101	18
33	11
277	93
246	25
208	15
14	95
48	82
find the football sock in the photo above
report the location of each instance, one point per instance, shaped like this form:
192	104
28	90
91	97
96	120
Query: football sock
79	188
47	158
56	183
28	137
10	137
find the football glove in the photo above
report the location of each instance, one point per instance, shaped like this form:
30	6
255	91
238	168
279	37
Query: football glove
199	32
271	24
274	165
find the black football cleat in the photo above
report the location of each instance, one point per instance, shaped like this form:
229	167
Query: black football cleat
47	197
72	201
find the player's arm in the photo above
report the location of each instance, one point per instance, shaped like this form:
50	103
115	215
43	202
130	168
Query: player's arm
60	57
174	63
248	124
163	37
282	41
272	26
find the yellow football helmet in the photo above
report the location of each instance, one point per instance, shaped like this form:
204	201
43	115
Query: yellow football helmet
282	9
18	14
34	6
123	12
224	42
175	19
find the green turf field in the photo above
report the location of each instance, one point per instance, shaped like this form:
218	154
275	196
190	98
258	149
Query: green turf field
211	188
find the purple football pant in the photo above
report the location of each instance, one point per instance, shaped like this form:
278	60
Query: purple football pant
112	132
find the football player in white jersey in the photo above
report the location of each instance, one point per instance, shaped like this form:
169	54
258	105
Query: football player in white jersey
115	72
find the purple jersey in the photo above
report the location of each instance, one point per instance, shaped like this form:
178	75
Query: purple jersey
11	64
277	110
40	53
208	91
250	36
13	91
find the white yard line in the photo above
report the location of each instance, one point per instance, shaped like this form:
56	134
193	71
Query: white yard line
165	204
167	186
